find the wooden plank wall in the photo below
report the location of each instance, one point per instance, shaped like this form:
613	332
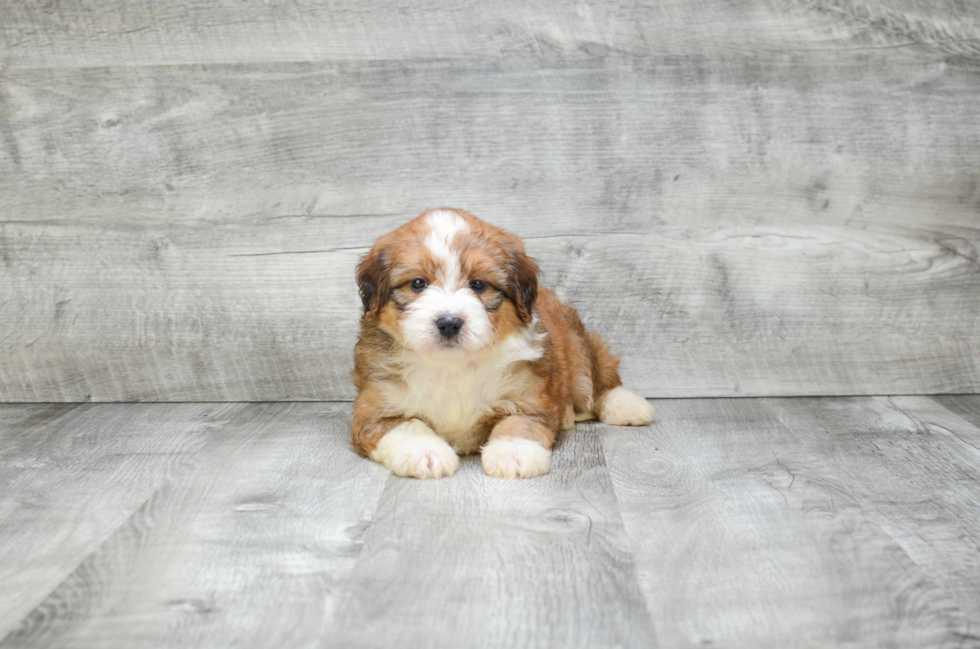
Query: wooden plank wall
759	197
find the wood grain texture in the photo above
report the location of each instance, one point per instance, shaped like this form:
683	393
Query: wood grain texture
805	522
251	545
747	522
915	467
751	198
93	33
966	406
190	233
473	561
71	475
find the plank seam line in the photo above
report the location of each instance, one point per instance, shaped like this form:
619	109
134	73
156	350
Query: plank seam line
622	522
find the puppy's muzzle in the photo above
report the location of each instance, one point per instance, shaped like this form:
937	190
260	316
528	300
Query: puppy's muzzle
449	326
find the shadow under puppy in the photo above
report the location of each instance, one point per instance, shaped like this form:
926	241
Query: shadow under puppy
460	352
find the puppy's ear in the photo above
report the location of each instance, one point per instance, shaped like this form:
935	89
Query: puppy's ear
372	281
522	283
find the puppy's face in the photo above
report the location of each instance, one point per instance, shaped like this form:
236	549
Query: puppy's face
447	283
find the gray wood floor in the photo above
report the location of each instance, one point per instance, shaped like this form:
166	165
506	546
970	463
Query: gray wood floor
729	522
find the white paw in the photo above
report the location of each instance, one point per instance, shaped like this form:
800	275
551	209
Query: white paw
620	407
413	450
515	457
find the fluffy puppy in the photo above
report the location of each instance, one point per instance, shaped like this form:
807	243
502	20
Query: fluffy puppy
460	352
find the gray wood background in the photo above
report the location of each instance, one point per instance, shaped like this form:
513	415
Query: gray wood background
749	197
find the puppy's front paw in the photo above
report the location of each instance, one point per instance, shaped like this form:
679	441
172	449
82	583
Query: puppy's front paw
620	407
515	457
413	450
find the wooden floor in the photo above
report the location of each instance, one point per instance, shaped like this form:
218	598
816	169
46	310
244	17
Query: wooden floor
849	522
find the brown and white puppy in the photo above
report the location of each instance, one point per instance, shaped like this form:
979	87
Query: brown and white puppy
460	351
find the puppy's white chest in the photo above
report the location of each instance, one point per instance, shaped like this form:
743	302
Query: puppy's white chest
453	394
453	397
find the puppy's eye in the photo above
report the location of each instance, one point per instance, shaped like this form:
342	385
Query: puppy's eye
477	285
419	284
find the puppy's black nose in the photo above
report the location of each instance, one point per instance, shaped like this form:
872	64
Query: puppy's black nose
449	326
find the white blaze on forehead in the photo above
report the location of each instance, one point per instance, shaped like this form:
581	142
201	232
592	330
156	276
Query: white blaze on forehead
447	295
444	226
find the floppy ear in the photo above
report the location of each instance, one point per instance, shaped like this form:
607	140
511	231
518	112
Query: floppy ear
372	281
522	281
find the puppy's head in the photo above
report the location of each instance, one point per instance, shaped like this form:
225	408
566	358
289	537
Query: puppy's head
447	283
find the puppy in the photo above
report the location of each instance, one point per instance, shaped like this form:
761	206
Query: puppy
460	352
